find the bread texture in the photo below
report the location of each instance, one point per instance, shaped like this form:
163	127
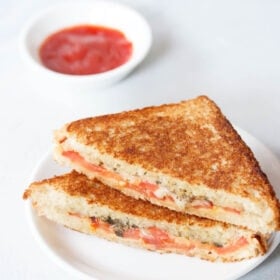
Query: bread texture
89	206
189	150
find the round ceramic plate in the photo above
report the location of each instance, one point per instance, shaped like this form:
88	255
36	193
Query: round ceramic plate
90	257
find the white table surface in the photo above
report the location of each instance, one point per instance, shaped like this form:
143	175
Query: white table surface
229	50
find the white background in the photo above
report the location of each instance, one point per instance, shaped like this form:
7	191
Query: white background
229	50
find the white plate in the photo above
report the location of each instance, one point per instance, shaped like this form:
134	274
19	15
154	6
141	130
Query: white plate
89	257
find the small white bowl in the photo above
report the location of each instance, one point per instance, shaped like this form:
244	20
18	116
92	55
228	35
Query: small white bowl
94	12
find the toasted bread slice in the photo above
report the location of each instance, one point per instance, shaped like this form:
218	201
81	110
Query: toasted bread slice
184	156
90	207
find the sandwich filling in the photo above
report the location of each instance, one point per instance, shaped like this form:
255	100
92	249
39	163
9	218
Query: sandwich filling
145	189
156	238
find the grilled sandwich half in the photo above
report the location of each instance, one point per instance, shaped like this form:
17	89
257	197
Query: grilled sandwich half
88	206
185	156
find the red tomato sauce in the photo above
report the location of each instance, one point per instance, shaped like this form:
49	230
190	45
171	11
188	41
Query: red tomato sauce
85	49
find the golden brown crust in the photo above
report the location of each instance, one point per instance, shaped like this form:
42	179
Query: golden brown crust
262	243
78	185
26	194
179	143
191	141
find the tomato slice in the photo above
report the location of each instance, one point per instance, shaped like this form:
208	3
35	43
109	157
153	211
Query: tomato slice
148	187
158	233
241	242
132	233
156	237
162	240
101	171
145	188
204	203
99	224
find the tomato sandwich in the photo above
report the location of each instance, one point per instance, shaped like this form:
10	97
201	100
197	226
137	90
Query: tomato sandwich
90	207
184	156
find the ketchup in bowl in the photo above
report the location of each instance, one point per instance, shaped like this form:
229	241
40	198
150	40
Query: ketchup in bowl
85	49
